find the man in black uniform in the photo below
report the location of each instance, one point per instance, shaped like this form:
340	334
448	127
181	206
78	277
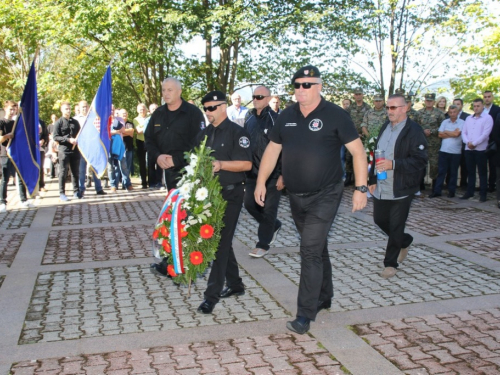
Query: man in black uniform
172	131
65	132
259	122
231	145
309	134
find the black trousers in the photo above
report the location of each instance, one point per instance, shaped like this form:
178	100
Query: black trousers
390	216
41	180
225	266
313	217
155	173
492	171
141	156
71	160
265	216
172	177
480	159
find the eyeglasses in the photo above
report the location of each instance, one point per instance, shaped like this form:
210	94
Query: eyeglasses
259	97
393	107
305	85
212	107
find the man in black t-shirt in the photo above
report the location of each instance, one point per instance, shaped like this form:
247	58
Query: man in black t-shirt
309	136
231	145
172	130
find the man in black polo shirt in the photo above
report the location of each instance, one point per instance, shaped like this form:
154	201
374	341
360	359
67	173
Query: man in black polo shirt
172	130
231	145
309	135
65	132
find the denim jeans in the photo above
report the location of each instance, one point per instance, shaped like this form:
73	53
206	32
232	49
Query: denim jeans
447	162
117	168
8	171
83	173
129	158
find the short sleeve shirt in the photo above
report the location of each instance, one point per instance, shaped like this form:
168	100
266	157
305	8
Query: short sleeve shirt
311	145
452	145
5	128
230	142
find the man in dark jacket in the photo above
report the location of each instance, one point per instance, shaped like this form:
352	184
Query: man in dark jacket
405	147
259	122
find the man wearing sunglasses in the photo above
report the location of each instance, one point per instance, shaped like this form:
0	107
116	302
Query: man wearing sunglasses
405	147
309	135
231	145
259	122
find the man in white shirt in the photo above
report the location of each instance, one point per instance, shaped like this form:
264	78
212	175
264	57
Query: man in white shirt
450	132
237	112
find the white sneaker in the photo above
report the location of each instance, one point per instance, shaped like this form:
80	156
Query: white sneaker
3	207
417	193
25	204
63	198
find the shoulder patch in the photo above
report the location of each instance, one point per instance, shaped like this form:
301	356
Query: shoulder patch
244	142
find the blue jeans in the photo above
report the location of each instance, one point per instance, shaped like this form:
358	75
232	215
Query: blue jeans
115	169
129	157
447	162
475	158
83	173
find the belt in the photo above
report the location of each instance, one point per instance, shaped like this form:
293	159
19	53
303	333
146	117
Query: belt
232	186
305	195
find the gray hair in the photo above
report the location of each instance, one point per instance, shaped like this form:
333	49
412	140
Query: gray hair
172	79
453	106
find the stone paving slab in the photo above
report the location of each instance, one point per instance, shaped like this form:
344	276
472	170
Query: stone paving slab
9	245
466	342
446	221
107	212
426	275
17	218
98	244
70	305
275	354
488	247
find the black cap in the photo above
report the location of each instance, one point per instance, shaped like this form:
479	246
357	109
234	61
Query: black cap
305	72
214	96
400	91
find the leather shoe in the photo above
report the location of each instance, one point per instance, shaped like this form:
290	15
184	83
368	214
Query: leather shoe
482	199
228	292
466	196
434	195
324	304
206	307
300	325
451	195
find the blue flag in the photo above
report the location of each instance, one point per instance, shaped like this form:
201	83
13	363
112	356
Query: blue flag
94	137
24	148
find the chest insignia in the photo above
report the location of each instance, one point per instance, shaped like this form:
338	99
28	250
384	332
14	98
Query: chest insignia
244	142
291	124
315	125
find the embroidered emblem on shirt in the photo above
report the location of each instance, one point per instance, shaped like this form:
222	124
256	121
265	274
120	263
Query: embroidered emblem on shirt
244	142
157	125
315	125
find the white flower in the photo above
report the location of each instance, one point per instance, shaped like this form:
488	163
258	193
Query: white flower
189	170
208	205
201	194
185	190
160	241
199	240
193	160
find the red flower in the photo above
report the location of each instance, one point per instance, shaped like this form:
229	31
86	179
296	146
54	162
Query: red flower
155	234
183	214
196	257
166	246
183	232
170	270
166	216
206	231
164	231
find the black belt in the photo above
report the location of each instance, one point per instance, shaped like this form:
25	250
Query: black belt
305	195
232	186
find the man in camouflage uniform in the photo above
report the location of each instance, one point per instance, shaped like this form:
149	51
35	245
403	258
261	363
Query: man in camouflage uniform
357	111
430	120
374	118
411	113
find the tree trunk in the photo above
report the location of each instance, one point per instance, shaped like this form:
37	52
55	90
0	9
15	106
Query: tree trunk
234	65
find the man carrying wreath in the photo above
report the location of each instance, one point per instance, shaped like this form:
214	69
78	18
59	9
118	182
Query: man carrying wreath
233	157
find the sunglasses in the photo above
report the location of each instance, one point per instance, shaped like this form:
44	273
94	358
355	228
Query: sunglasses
393	107
305	85
259	97
212	107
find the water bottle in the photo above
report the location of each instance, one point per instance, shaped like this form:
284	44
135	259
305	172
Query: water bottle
380	155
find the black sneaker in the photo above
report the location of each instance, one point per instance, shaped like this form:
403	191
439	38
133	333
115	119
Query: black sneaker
160	268
300	325
275	235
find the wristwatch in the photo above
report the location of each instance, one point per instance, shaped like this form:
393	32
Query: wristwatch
362	188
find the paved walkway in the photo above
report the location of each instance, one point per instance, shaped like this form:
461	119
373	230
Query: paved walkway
77	295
